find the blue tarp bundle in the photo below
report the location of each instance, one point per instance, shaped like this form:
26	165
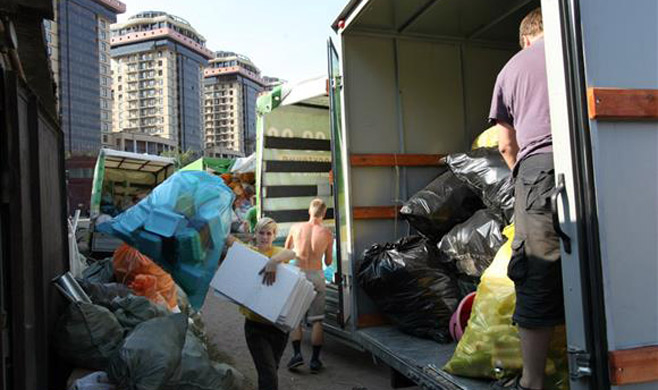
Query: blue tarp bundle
182	225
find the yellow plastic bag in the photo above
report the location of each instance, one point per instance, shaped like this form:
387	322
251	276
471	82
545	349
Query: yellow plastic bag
488	139
490	346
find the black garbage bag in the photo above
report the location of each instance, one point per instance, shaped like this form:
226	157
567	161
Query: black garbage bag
471	246
198	372
101	271
410	286
103	293
151	354
486	172
445	202
132	310
87	335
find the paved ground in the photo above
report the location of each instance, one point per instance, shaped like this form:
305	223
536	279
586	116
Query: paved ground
346	368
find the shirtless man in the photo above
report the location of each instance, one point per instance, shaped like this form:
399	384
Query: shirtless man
311	241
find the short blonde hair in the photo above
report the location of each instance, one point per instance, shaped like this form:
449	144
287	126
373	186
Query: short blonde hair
317	208
266	223
531	26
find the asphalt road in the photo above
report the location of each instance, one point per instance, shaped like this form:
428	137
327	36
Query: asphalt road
345	367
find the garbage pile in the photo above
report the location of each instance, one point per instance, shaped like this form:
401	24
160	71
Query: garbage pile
182	225
132	317
490	347
244	206
135	342
419	281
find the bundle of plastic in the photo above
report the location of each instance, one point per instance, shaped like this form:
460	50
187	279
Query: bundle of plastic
485	171
442	204
182	225
410	286
490	346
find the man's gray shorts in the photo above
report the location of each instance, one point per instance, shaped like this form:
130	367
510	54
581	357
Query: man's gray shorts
316	311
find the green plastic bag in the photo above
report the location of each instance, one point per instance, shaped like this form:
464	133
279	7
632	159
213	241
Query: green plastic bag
490	346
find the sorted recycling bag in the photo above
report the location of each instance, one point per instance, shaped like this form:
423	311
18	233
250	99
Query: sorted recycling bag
471	246
410	286
95	381
442	204
100	271
87	335
132	310
151	354
490	346
103	293
197	371
182	225
144	276
486	139
486	172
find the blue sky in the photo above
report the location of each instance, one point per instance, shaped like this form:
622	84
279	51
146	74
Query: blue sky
284	38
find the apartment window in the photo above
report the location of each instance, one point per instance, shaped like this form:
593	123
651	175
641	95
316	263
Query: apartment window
160	56
160	73
103	57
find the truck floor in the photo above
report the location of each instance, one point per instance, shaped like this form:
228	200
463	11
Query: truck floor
419	359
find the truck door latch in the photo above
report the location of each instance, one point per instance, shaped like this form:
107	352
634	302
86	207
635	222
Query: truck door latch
579	363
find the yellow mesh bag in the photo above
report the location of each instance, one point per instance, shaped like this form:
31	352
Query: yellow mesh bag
490	346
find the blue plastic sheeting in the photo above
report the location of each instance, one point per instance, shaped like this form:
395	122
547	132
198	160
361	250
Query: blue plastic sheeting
182	225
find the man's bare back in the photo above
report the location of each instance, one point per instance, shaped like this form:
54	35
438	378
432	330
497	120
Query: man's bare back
310	240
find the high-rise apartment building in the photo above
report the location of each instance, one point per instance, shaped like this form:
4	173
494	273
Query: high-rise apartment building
79	46
231	86
157	67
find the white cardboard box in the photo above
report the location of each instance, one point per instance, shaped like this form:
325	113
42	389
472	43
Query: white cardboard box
283	303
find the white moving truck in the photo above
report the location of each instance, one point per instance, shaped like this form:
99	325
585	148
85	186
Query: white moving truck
414	82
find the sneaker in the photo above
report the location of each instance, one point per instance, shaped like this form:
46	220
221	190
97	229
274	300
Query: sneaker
315	366
295	361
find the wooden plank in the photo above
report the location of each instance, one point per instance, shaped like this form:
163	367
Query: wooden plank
622	104
370	320
375	212
638	365
392	160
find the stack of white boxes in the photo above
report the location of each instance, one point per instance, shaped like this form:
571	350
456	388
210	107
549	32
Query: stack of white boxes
283	303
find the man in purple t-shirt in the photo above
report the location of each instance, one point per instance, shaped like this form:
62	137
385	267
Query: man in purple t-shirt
520	111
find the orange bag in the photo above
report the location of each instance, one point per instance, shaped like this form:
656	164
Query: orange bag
143	276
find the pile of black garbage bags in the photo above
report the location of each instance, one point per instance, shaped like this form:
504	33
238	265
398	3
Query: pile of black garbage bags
418	281
135	343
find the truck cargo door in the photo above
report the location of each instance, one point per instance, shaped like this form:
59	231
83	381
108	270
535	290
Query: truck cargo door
601	60
339	158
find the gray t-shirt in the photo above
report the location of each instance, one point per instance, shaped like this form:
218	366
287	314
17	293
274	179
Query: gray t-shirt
520	98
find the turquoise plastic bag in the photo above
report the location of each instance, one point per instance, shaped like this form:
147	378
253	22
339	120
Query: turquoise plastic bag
182	225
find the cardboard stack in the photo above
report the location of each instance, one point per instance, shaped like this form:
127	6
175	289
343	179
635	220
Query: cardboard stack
284	303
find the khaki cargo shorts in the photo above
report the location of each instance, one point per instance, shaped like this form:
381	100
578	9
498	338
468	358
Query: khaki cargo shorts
316	311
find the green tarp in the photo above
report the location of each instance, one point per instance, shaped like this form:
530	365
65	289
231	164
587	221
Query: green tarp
219	165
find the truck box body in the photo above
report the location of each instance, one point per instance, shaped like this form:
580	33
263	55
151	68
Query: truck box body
414	82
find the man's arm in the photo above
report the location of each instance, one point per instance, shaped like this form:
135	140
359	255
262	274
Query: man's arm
290	241
507	145
329	252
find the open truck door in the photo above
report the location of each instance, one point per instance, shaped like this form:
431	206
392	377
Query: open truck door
339	181
601	57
